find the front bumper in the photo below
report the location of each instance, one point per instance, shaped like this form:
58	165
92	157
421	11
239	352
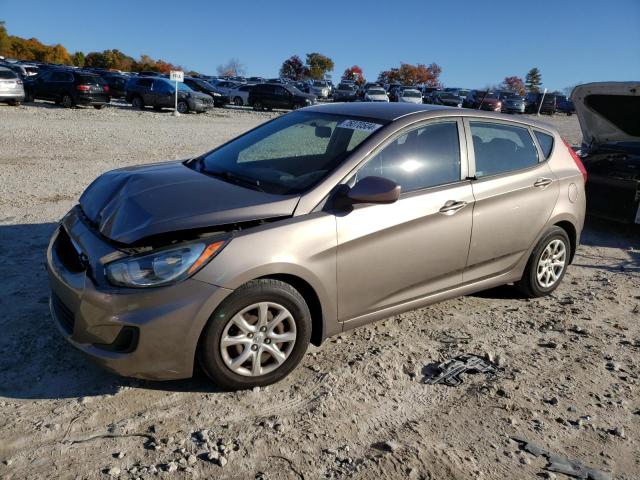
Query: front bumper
149	333
517	108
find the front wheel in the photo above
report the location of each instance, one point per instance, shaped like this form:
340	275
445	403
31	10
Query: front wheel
98	107
137	103
257	106
257	336
183	107
67	101
547	265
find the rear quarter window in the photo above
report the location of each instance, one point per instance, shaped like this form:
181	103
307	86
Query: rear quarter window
546	143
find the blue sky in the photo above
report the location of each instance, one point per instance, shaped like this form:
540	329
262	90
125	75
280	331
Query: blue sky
476	43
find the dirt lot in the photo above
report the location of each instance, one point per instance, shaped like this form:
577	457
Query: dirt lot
356	407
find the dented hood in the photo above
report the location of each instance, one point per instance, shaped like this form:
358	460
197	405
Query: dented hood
133	203
608	111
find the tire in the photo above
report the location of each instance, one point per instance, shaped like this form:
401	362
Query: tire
531	284
238	102
183	107
282	299
137	103
298	106
15	103
257	106
28	98
67	101
98	107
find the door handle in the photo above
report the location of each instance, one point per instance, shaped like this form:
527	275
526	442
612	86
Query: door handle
452	206
542	182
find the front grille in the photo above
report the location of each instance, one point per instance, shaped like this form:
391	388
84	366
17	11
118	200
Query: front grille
67	252
63	314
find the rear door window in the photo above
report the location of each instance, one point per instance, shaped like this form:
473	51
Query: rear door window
501	148
546	143
145	82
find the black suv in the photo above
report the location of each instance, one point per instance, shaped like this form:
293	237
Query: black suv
116	82
68	88
159	93
199	85
533	99
269	95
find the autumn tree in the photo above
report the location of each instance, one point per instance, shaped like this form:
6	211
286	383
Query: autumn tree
389	76
354	73
293	68
318	65
5	42
408	74
513	84
533	80
233	68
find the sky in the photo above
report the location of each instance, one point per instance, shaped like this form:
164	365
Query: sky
477	43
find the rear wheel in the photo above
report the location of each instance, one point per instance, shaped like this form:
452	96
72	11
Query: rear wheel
238	102
98	107
257	336
137	103
67	101
258	106
547	265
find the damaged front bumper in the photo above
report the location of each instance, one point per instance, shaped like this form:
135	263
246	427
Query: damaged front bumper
149	333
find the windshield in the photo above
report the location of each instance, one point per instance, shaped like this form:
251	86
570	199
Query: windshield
376	91
289	154
183	87
411	93
319	84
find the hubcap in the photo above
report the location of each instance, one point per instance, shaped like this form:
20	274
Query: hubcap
551	263
182	107
258	339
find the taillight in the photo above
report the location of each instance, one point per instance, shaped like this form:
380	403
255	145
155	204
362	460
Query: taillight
576	159
83	88
105	88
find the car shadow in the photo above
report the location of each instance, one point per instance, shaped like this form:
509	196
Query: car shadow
37	363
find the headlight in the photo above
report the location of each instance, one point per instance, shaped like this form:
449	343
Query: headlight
216	94
162	267
307	100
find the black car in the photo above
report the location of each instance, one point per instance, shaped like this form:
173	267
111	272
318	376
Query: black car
536	102
446	98
608	113
427	94
117	82
345	92
564	105
160	93
68	88
269	95
220	99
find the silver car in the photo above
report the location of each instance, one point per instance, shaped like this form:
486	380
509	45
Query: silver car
11	88
319	88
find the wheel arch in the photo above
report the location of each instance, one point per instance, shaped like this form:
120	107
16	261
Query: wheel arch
572	233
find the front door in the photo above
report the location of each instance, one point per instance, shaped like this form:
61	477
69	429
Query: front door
392	254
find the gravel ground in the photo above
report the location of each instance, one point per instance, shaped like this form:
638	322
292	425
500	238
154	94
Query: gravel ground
356	407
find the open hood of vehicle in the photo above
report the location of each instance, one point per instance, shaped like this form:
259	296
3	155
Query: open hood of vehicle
133	203
608	111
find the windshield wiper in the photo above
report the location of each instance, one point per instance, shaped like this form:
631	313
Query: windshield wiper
235	178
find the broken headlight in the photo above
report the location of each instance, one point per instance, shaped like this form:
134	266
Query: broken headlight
162	267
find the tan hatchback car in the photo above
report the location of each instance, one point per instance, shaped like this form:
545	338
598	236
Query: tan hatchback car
314	223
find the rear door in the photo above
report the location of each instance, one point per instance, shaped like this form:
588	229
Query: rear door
390	255
515	193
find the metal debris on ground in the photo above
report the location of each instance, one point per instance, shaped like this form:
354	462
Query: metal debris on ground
449	372
555	463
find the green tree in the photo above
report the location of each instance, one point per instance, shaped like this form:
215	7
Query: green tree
5	41
533	80
77	59
318	65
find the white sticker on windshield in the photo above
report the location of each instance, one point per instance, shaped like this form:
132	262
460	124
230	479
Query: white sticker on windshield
359	125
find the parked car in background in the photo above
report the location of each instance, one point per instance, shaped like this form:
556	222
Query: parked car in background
511	102
564	105
68	88
461	92
345	92
117	83
225	86
290	234
409	95
445	98
540	102
159	93
319	88
239	96
218	95
483	100
303	86
609	114
269	95
367	86
375	94
255	80
11	87
427	93
150	73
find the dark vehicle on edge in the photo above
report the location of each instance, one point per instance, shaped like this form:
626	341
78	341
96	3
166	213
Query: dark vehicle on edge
542	102
564	105
609	115
268	96
68	88
483	100
117	83
445	98
160	93
220	99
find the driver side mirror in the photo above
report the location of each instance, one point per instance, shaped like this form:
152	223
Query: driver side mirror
374	190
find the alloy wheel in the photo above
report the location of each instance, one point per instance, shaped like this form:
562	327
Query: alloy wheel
551	263
258	339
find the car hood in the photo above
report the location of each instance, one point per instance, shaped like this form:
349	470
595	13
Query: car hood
608	111
130	204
